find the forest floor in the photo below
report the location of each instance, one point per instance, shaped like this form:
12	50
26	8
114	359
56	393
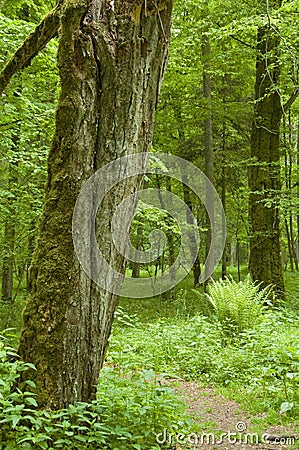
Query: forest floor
232	426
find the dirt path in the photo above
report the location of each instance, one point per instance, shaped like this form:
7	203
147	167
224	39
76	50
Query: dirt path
232	426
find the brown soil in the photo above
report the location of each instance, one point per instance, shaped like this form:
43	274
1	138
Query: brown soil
215	413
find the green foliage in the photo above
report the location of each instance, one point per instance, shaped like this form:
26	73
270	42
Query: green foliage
292	290
182	306
261	362
130	410
26	128
273	385
237	305
133	403
29	10
241	346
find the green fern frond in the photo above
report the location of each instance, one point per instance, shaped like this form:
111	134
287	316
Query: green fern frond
238	304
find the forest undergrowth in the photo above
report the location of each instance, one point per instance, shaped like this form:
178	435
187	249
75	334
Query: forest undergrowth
244	350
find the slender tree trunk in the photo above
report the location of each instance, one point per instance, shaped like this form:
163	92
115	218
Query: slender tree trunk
287	187
289	245
264	176
30	249
208	149
297	247
136	264
288	169
111	58
8	248
293	244
9	227
290	187
223	200
139	244
170	241
238	259
171	257
190	221
8	261
196	269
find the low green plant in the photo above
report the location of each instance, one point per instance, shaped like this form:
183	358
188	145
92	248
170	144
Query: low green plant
237	305
262	361
277	345
130	410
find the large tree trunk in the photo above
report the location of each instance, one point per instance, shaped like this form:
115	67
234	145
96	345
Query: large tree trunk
264	176
111	58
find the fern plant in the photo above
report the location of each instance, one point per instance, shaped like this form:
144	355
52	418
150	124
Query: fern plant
237	305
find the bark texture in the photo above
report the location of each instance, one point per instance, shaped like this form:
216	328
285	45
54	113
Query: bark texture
264	176
111	58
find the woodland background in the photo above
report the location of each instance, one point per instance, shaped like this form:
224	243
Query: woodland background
206	111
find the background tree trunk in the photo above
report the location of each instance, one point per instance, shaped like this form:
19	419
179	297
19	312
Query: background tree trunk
196	269
297	217
136	264
265	261
170	241
8	261
208	152
111	58
7	278
223	201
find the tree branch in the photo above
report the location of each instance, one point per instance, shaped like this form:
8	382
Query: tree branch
291	100
10	123
241	42
33	44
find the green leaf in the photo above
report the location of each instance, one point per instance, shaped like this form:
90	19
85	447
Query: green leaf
31	401
286	406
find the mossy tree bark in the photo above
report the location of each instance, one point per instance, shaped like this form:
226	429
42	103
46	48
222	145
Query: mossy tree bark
264	176
111	58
